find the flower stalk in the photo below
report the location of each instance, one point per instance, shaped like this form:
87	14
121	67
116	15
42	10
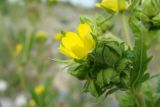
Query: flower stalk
126	30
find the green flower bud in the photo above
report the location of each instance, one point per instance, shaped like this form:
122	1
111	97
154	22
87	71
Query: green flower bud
151	8
41	37
124	81
105	77
108	52
93	88
123	64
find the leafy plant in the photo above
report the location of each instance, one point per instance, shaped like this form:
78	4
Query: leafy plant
114	64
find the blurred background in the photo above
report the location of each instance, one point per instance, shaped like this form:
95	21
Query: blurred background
28	75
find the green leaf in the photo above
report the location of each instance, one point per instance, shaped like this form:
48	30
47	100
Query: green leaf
141	59
145	77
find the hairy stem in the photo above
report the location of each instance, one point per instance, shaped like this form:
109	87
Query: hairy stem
139	98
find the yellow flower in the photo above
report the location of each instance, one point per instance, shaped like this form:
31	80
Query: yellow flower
41	35
114	5
32	103
39	89
78	45
58	36
19	48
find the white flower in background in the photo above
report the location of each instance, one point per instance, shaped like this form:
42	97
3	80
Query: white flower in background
3	85
20	100
6	102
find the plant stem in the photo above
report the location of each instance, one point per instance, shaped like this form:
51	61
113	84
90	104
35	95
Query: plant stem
126	30
106	19
139	98
21	76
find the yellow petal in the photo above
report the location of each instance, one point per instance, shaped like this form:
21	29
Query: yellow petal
84	31
73	46
110	4
67	52
115	5
71	39
79	52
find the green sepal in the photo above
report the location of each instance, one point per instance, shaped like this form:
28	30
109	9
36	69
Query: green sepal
123	64
78	70
93	88
105	77
124	80
85	20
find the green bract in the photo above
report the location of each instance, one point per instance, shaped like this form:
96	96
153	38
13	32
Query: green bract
107	52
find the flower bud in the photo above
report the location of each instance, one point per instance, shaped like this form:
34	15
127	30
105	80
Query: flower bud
151	7
124	81
108	52
93	88
41	36
105	77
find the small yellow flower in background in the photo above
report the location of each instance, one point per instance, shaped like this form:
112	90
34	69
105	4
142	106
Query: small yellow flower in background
19	48
78	45
41	35
32	103
39	89
58	36
114	5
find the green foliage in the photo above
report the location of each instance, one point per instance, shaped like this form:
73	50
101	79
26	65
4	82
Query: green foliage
113	65
140	58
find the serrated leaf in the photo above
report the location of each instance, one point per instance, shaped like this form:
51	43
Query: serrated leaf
141	59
